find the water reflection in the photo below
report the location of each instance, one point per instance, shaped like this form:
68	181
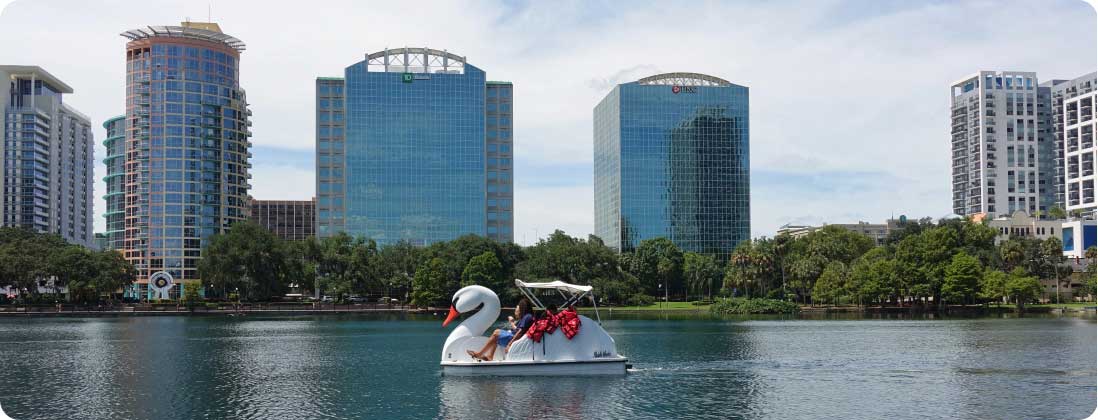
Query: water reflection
372	367
535	397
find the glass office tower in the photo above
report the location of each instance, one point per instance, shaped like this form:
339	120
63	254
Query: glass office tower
330	169
186	146
414	144
671	160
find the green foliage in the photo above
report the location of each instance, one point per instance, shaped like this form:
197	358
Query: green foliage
1056	212
574	260
658	264
251	259
430	285
702	273
639	299
192	292
744	306
26	257
993	285
1022	288
962	279
485	270
832	286
874	277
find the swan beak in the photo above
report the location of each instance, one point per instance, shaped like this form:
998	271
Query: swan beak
453	314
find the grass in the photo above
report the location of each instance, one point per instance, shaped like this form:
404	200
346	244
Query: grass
1069	305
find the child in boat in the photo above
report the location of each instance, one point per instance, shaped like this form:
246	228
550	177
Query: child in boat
505	337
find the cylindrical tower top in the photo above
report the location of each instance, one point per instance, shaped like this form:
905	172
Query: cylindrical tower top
203	31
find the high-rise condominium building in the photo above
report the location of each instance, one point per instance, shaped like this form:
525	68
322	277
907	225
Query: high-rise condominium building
997	145
414	144
46	157
1074	125
671	160
185	173
115	143
292	220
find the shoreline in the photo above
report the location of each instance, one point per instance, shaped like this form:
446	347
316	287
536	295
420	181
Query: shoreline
31	311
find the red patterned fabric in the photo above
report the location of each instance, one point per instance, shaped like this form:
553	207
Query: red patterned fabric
569	323
551	322
544	325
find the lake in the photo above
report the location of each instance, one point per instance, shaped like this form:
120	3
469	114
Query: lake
347	367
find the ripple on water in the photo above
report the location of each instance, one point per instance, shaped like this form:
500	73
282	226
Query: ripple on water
371	367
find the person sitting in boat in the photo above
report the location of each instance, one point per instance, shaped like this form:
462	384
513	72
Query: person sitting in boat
504	337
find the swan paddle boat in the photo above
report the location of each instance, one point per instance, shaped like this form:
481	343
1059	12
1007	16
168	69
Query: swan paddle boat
590	351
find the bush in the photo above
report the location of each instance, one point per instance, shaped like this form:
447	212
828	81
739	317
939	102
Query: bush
702	302
741	306
640	299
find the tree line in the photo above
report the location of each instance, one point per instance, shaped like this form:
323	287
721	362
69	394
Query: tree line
256	265
921	263
37	267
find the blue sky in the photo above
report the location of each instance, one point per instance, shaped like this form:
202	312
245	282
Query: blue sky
849	99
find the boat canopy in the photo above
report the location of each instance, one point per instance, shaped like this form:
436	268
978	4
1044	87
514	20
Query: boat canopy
558	285
571	293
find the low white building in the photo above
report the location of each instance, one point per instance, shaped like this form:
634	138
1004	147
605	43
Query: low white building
1021	224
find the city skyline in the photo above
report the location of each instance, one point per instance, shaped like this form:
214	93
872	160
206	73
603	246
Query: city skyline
803	166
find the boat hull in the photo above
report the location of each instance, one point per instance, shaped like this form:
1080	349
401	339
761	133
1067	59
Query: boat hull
597	367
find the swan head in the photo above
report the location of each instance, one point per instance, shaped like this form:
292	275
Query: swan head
468	299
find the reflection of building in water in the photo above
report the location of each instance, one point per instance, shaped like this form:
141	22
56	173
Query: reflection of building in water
671	159
526	397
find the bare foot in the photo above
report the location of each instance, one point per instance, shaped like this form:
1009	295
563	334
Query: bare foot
476	355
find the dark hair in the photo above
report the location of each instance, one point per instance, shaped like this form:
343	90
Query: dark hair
523	307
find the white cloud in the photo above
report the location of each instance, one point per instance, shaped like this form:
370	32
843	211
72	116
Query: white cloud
282	182
835	85
541	210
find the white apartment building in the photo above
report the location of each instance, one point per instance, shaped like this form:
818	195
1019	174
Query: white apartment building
46	157
1075	123
996	145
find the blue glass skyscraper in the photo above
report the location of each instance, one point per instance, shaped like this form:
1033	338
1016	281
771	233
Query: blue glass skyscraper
671	159
419	152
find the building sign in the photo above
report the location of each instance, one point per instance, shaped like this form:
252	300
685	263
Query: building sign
684	89
409	77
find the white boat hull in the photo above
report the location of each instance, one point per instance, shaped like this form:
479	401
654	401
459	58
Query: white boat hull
595	367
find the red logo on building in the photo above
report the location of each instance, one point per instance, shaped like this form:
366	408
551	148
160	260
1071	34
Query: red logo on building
676	89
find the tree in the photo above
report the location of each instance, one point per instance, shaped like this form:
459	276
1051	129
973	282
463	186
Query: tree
113	272
72	267
701	272
248	258
1052	261
24	258
873	276
563	257
1012	253
993	285
192	293
1022	288
962	278
430	284
1056	212
831	287
398	264
484	270
657	263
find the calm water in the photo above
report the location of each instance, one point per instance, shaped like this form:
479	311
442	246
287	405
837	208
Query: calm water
371	367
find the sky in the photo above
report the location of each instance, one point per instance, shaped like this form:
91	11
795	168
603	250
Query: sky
849	100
